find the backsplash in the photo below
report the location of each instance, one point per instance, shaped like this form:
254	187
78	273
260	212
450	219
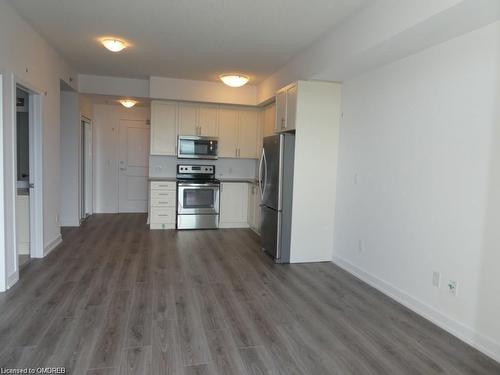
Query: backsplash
165	166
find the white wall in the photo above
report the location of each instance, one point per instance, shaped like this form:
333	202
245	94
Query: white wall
70	159
421	138
106	119
25	56
201	91
114	86
166	166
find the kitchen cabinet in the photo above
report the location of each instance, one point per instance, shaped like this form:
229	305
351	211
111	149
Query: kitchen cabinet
228	132
198	119
286	108
238	133
163	128
269	120
207	120
188	119
162	202
234	205
254	207
247	133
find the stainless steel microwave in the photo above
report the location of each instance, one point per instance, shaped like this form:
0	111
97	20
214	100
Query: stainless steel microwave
196	147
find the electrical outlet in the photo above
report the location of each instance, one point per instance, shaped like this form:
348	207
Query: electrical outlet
453	287
436	279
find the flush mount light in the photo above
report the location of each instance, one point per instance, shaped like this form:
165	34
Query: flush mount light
234	80
114	45
127	103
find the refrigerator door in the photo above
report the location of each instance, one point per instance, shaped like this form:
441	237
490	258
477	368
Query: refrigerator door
270	231
271	174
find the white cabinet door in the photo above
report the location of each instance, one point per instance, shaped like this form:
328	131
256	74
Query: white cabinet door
256	203
234	205
228	132
163	128
188	119
291	107
269	120
247	134
207	120
280	123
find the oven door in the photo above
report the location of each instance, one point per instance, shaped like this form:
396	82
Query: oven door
191	147
197	198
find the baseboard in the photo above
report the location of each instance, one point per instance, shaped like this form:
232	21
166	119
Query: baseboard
233	225
52	245
12	279
70	223
475	339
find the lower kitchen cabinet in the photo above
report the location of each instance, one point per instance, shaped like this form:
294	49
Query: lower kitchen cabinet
162	200
254	207
234	205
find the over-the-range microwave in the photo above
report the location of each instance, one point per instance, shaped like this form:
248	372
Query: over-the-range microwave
196	147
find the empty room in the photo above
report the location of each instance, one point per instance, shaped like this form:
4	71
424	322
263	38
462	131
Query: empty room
236	187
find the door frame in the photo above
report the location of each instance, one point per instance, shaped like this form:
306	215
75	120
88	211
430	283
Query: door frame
81	188
36	167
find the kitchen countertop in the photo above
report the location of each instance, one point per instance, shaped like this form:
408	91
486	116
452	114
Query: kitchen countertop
223	179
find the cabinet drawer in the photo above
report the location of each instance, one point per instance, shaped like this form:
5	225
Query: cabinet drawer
162	215
166	201
162	185
163	195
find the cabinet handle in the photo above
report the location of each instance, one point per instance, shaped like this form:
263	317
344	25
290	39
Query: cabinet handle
282	123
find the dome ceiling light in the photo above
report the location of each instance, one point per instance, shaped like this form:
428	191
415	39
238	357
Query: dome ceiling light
113	44
127	103
234	80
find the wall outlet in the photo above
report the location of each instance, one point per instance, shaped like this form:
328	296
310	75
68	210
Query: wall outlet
453	287
436	279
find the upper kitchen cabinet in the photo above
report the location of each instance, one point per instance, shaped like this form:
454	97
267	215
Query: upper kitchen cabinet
163	128
269	120
188	118
238	132
198	119
207	120
286	108
248	131
228	132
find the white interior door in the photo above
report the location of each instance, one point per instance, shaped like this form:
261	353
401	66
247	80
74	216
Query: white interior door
133	166
88	169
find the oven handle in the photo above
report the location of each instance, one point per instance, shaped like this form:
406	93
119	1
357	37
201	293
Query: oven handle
196	185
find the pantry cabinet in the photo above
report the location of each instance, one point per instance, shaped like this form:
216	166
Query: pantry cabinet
163	128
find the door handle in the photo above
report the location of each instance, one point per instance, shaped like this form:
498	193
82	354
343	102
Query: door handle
123	169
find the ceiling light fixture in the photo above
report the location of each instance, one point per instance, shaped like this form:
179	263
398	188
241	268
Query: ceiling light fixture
234	80
127	103
114	45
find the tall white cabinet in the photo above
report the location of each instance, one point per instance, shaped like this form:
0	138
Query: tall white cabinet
313	110
163	128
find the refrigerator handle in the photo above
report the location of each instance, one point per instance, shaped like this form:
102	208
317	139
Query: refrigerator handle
265	173
260	173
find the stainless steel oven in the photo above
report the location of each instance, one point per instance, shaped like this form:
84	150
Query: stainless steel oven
198	197
196	147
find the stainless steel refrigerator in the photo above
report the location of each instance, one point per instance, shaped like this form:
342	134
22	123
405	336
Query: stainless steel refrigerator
276	188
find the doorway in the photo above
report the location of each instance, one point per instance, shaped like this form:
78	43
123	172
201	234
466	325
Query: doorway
134	166
86	178
23	175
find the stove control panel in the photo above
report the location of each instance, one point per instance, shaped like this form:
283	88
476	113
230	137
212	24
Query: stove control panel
195	169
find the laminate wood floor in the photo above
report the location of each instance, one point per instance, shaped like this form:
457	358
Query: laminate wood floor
115	298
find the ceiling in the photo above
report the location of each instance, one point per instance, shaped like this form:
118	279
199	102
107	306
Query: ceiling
190	39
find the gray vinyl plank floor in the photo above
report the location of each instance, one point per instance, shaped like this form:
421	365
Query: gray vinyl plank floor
116	298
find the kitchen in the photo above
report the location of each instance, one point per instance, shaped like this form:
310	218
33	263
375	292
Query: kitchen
214	166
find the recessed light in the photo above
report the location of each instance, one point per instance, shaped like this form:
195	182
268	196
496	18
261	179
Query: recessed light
127	103
234	80
114	45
